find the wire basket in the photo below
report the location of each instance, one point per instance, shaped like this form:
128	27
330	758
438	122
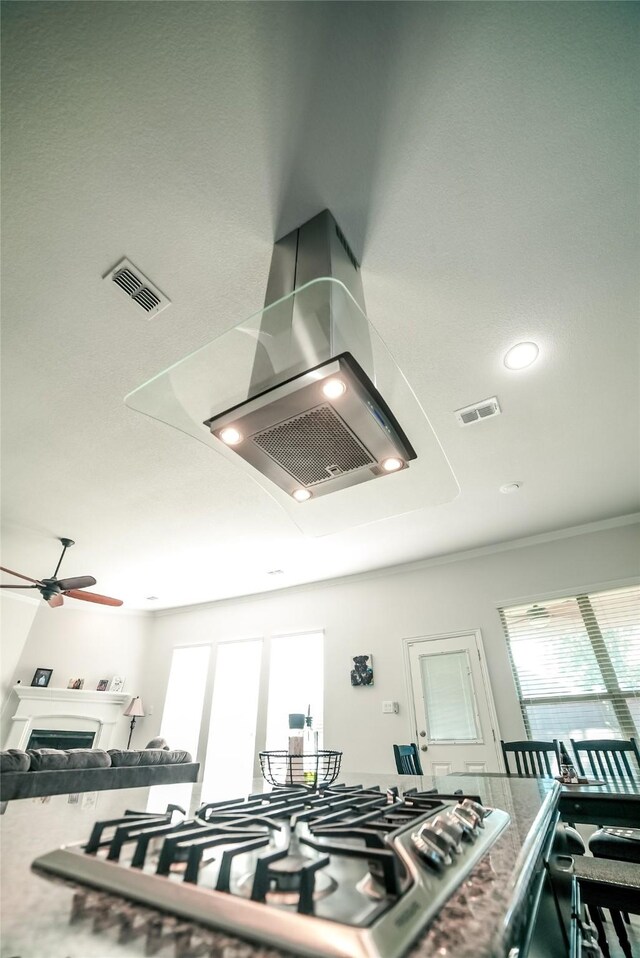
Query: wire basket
314	770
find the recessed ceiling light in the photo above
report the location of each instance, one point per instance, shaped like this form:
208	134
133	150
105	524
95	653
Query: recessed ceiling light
392	464
509	487
301	494
152	598
275	572
231	436
334	388
521	355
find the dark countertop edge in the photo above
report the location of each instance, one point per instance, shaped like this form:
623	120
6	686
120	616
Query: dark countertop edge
524	867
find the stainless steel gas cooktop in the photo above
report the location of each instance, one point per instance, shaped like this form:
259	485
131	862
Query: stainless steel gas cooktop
341	871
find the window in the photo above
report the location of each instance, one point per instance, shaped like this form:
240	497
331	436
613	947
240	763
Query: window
450	703
228	769
576	664
181	718
296	679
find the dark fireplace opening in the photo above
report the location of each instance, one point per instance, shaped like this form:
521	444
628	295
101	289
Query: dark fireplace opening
60	738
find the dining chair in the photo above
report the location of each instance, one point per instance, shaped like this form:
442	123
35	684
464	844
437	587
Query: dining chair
608	756
532	758
407	759
613	758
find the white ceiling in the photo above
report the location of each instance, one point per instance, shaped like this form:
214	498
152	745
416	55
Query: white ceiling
482	159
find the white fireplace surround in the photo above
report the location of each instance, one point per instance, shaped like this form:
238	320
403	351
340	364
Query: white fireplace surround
77	710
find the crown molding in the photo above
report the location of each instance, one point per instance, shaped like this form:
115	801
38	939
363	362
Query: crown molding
601	525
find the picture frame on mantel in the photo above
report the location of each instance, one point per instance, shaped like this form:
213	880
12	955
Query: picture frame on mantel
116	684
76	684
41	678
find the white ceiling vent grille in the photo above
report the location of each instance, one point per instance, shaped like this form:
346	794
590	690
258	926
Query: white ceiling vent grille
484	409
138	288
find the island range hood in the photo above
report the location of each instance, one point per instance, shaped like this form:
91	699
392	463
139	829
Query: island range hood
305	399
314	422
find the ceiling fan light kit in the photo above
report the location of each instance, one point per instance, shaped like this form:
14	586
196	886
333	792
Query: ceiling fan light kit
53	590
306	399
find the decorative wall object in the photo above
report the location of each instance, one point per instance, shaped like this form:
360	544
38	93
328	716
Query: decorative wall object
103	685
362	671
116	684
75	684
41	677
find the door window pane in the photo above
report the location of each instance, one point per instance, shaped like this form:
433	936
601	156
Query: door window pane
448	697
232	730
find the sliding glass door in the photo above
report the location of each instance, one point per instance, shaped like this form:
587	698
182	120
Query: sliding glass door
182	717
296	684
228	770
253	685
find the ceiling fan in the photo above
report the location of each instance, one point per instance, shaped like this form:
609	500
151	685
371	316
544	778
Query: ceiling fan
54	590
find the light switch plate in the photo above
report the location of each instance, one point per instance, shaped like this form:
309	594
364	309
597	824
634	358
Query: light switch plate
389	708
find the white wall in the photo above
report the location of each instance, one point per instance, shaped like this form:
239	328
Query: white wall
85	643
16	618
373	613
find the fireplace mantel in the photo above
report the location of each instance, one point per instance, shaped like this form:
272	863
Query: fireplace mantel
85	696
72	709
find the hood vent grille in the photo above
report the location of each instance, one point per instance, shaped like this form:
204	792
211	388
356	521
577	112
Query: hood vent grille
315	446
299	440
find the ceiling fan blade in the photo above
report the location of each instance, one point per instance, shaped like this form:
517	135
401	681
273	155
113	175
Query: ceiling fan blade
92	597
20	576
19	586
55	601
80	582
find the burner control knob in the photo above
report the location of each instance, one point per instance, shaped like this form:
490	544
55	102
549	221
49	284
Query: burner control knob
449	832
479	810
468	822
437	839
452	825
427	851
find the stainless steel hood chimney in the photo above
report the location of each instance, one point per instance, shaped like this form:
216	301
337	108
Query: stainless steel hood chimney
310	424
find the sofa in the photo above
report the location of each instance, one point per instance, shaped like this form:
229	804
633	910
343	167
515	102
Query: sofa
47	771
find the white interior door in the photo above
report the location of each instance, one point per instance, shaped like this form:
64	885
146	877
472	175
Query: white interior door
453	712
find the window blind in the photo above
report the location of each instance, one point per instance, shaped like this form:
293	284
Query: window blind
576	664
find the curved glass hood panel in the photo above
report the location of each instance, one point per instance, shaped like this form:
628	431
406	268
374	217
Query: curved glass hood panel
266	380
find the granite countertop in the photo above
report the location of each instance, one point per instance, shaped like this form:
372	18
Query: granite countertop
48	919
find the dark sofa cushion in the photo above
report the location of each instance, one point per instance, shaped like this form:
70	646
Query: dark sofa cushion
14	760
49	759
148	756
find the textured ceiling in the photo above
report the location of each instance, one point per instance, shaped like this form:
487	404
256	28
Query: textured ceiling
482	159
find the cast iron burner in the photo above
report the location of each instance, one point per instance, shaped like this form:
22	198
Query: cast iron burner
337	873
286	881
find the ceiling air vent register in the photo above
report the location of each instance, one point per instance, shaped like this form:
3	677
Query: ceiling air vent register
135	284
478	411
